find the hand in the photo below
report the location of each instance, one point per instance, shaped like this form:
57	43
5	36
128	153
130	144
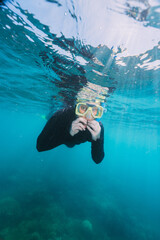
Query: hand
95	129
77	125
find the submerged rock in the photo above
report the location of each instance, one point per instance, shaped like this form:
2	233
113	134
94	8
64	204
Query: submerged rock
87	225
10	212
35	236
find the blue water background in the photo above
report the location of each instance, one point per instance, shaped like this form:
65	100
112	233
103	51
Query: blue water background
50	195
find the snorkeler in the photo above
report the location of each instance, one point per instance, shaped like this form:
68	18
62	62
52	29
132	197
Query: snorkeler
75	125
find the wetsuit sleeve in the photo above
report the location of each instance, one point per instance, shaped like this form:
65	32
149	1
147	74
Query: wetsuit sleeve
55	131
98	147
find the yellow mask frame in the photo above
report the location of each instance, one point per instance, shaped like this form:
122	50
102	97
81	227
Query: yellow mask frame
89	107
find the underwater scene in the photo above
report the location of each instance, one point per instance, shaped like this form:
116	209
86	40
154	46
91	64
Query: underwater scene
54	54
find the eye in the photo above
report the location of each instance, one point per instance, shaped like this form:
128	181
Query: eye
83	108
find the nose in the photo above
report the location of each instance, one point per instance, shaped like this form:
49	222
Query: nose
89	115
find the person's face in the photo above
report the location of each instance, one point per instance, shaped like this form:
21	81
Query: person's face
89	114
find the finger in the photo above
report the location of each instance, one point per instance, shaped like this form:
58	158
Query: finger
82	120
96	129
92	126
76	128
80	124
76	121
93	123
79	127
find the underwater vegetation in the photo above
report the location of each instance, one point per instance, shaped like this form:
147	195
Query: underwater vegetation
43	215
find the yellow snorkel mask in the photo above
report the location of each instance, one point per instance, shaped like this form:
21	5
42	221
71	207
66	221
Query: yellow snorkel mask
83	108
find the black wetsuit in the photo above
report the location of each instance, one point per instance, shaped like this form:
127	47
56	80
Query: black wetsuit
56	132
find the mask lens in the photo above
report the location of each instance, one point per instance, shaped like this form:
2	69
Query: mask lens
95	111
82	108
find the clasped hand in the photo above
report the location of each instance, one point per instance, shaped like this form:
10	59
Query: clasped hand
80	124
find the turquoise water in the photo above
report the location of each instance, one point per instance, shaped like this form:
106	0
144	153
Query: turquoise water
49	50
